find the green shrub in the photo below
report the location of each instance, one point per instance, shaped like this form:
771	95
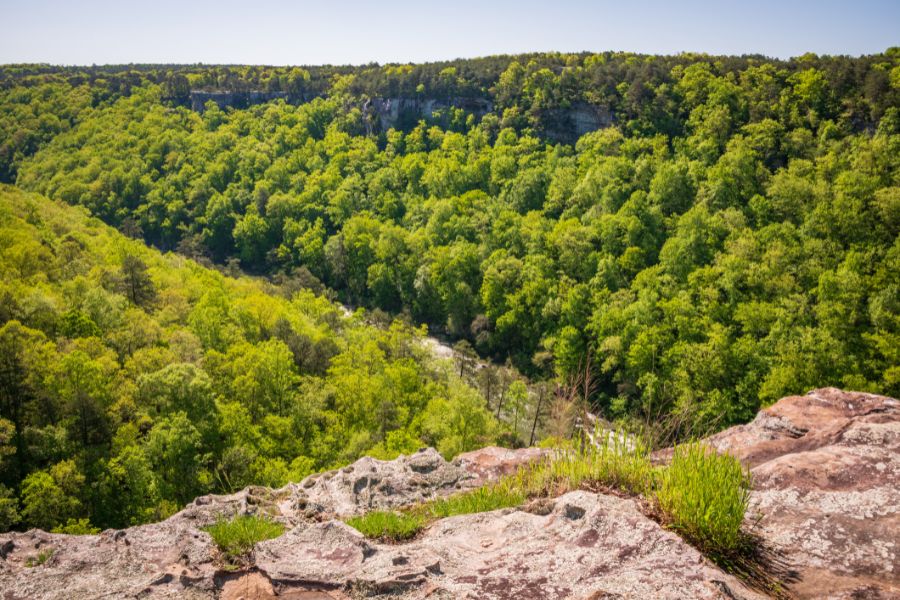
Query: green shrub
236	537
76	527
390	525
705	496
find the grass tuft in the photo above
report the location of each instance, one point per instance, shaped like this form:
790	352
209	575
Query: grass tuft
41	558
615	460
483	499
404	524
388	525
705	495
237	537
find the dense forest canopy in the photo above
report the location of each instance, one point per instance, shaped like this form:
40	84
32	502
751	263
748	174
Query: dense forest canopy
731	238
131	382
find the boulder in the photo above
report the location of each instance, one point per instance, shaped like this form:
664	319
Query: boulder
826	480
492	462
370	484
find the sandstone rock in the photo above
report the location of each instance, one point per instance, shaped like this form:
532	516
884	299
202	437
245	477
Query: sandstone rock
588	543
171	559
826	471
492	462
176	559
370	484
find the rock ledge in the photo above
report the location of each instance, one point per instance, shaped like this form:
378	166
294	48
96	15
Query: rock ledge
826	470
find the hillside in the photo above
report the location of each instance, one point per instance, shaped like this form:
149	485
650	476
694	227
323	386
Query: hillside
825	469
133	381
728	236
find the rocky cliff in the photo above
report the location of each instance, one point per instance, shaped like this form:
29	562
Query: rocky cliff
239	99
401	112
404	113
826	470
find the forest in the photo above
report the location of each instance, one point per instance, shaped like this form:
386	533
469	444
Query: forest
134	381
730	239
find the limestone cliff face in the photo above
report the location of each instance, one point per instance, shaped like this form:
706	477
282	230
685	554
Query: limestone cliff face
559	124
826	468
234	99
402	112
568	124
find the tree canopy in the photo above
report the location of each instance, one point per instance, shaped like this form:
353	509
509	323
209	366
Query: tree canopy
131	382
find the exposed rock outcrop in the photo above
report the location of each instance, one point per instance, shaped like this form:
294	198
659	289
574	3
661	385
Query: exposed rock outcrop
568	124
403	112
236	99
826	477
492	462
587	545
557	124
826	472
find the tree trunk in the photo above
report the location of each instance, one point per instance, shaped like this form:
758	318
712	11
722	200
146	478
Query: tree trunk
537	415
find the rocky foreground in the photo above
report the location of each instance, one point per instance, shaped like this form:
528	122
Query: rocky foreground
826	472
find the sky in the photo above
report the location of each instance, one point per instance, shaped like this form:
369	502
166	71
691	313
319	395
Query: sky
300	32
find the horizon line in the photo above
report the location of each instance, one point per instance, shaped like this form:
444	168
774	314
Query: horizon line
376	63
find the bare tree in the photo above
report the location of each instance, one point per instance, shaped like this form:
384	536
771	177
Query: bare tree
570	409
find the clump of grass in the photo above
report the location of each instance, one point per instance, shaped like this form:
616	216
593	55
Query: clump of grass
42	557
404	524
613	460
236	537
388	525
483	499
705	495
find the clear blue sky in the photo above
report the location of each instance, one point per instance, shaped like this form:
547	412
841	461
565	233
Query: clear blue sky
353	31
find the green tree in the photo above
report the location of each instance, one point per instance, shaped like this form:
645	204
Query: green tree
51	497
175	450
457	423
135	281
9	509
129	490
